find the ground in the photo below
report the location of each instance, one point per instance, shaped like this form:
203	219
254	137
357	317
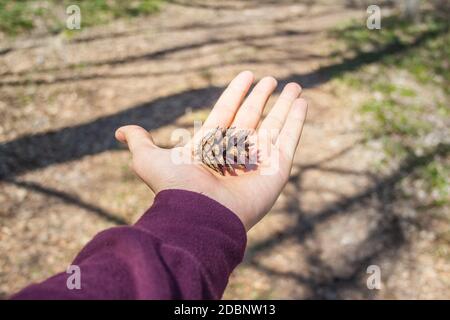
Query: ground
64	177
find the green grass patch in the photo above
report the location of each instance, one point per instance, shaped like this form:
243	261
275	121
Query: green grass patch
427	52
399	112
17	17
436	176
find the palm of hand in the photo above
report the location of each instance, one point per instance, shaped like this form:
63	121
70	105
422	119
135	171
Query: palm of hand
249	194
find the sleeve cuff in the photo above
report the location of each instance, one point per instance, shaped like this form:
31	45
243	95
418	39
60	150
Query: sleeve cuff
206	229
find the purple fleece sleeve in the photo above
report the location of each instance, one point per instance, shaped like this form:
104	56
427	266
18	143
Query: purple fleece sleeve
184	247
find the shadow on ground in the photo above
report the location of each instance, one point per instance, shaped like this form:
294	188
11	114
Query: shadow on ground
385	239
21	155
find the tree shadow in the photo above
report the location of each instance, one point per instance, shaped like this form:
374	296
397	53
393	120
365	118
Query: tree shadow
41	150
114	75
162	53
223	6
385	239
31	152
37	151
68	199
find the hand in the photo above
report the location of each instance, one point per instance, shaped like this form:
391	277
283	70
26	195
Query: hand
249	194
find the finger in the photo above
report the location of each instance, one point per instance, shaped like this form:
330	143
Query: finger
224	110
250	112
277	116
292	129
135	137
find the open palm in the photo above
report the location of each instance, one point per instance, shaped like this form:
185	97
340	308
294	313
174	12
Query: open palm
250	193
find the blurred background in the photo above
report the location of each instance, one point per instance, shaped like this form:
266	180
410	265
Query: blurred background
370	184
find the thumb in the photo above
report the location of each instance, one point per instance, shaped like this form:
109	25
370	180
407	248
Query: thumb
135	137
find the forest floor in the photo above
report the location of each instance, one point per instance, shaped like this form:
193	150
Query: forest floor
63	178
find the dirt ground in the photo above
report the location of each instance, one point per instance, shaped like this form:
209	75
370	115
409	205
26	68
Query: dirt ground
63	178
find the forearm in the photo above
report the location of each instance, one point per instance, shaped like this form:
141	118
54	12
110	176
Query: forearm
184	247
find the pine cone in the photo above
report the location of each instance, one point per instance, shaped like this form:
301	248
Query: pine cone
224	149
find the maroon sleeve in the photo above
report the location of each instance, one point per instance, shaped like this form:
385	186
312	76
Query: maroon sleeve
184	247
